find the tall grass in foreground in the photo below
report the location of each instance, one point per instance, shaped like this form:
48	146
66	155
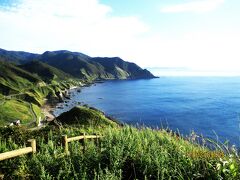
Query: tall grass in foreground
123	153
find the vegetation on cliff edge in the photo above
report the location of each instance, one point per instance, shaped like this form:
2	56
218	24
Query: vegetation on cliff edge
123	153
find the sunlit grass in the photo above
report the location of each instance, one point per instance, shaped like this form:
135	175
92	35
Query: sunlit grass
123	153
12	110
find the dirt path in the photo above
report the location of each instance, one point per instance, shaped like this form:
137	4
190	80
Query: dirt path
33	113
34	122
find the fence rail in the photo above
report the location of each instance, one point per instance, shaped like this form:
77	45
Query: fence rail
19	152
66	140
32	148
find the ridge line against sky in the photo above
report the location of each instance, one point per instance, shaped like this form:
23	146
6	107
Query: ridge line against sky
197	34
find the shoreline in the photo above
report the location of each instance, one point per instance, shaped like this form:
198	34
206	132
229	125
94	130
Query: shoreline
47	110
50	105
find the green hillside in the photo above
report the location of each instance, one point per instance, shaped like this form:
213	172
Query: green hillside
77	64
12	110
46	72
85	116
119	69
71	64
85	67
22	93
14	80
17	57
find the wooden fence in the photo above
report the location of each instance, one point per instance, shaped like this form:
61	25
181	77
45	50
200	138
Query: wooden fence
32	148
66	140
19	152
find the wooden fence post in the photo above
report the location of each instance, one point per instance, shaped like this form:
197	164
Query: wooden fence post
98	143
65	143
84	138
33	145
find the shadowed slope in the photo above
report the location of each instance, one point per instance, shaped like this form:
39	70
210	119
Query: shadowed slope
45	71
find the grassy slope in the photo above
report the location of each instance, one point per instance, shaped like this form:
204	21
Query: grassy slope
46	72
16	57
16	109
18	106
126	153
22	88
15	80
120	69
85	67
16	84
85	116
73	64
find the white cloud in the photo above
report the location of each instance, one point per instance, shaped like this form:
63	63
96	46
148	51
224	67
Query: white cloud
77	25
208	51
197	6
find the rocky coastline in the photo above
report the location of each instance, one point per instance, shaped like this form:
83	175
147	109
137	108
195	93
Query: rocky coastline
62	100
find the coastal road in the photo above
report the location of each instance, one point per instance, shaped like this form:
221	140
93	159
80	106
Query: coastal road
34	122
32	112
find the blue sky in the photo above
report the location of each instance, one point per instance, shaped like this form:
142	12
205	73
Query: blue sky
201	35
224	15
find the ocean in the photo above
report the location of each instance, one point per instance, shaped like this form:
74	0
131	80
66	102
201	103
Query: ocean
209	106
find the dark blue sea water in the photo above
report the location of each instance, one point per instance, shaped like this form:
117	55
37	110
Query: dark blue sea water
207	105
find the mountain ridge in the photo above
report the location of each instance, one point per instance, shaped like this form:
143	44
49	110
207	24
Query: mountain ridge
81	65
